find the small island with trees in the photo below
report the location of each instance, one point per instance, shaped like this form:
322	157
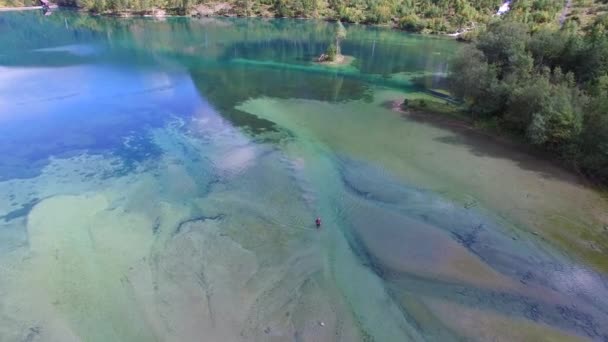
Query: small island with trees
333	55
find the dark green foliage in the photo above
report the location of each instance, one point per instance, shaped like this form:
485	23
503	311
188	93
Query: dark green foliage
504	46
411	23
549	86
331	52
476	81
535	13
548	47
549	106
593	143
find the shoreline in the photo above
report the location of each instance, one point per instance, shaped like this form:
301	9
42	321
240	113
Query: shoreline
146	14
468	126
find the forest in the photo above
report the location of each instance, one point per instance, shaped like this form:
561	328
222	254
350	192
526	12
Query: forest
419	16
547	85
425	16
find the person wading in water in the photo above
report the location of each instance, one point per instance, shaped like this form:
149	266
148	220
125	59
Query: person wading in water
318	222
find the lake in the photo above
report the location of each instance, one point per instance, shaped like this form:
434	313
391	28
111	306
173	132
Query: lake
160	179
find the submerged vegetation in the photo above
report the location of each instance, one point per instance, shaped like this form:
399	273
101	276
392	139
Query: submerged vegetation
540	71
547	85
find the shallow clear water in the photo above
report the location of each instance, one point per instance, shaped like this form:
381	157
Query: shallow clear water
159	181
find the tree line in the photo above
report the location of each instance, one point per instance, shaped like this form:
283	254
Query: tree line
431	16
548	85
426	16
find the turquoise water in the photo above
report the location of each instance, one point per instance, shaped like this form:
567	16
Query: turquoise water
159	181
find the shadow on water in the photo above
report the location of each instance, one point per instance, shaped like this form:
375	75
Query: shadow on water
484	144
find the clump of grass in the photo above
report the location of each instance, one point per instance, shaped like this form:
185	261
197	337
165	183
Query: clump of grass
433	106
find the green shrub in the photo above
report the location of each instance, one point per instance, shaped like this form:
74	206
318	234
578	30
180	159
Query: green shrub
331	52
411	23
